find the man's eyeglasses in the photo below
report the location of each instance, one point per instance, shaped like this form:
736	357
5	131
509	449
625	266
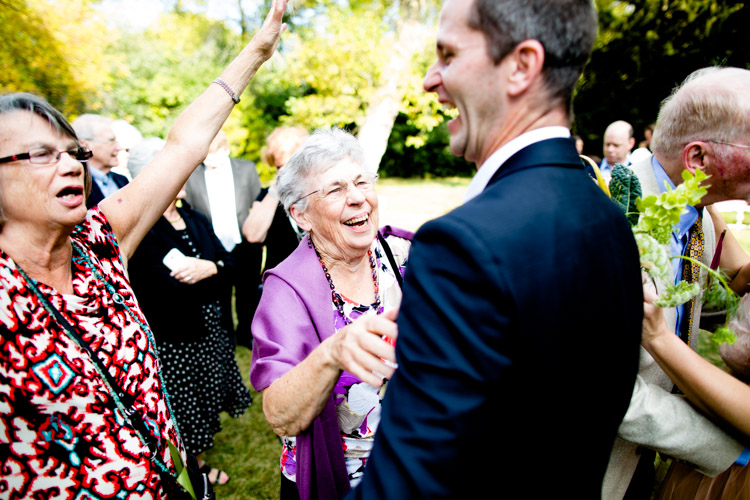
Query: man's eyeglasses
49	156
337	190
730	144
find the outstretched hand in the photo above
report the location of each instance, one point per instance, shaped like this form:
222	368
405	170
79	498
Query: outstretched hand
268	36
365	348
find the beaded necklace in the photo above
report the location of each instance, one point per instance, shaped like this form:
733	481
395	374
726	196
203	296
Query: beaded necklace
338	301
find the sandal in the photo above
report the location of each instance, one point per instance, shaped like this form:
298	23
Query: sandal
215	476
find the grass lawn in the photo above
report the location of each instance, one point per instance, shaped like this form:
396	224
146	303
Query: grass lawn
247	449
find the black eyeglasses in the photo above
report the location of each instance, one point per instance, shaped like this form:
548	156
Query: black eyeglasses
49	156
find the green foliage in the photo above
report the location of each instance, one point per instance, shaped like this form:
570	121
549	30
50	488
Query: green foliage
654	256
659	213
645	48
59	57
161	70
430	158
625	188
653	231
723	335
675	295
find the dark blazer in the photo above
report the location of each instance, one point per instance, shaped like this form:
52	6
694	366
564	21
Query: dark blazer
96	194
172	308
518	344
247	257
246	189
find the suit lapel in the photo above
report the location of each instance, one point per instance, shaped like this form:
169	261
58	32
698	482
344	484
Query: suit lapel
548	153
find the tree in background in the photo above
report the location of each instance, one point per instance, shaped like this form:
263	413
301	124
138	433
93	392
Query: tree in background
356	64
644	49
54	49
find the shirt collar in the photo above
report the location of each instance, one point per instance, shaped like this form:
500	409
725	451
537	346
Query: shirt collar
688	218
496	160
100	176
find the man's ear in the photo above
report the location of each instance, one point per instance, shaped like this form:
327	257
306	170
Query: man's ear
694	156
300	218
526	63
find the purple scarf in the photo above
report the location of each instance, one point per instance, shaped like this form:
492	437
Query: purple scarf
293	317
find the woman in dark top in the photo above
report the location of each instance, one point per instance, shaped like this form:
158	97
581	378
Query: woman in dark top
183	307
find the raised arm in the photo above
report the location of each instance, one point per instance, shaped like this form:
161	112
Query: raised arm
734	261
134	209
256	226
296	398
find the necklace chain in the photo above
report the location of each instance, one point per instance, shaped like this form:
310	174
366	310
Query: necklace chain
114	392
338	301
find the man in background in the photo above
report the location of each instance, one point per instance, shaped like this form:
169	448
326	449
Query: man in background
702	125
223	189
96	133
618	143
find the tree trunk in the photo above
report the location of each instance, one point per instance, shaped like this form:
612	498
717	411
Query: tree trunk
384	106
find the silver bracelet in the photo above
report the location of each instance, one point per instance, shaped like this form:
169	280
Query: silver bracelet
221	83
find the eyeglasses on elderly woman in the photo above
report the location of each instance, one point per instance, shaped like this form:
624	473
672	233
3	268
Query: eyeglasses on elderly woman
338	189
49	156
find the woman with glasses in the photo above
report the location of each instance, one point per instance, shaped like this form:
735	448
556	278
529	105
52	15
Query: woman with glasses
324	329
83	406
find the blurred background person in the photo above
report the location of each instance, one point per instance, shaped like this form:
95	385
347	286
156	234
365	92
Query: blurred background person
183	301
127	135
223	189
96	133
322	392
268	228
618	143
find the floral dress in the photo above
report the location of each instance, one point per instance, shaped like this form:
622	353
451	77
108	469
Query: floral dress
358	403
63	434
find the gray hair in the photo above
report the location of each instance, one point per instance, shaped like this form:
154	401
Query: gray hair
142	152
88	124
319	152
710	104
566	28
22	101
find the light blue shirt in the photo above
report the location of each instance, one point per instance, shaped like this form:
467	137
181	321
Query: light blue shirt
105	181
680	231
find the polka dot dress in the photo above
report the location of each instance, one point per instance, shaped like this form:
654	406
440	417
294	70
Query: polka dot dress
203	379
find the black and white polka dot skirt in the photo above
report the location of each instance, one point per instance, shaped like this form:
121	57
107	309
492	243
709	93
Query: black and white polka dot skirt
203	380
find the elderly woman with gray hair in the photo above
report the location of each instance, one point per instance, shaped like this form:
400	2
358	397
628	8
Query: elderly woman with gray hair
180	272
324	329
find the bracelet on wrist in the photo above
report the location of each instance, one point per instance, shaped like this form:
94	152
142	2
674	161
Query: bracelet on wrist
221	83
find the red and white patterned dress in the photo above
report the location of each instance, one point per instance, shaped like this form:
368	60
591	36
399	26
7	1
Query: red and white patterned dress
61	434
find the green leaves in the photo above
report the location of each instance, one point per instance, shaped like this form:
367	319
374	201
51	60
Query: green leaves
660	213
625	189
653	231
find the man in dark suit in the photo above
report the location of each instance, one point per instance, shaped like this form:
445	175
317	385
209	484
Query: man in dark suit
96	133
223	189
520	325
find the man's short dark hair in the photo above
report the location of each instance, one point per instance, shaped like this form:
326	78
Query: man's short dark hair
566	28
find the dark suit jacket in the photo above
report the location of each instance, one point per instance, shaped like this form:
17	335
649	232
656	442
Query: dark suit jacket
246	189
518	344
96	194
173	308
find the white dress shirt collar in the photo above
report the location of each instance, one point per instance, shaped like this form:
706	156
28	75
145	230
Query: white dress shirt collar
496	160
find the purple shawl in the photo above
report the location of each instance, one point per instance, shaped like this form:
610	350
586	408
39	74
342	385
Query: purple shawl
293	317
